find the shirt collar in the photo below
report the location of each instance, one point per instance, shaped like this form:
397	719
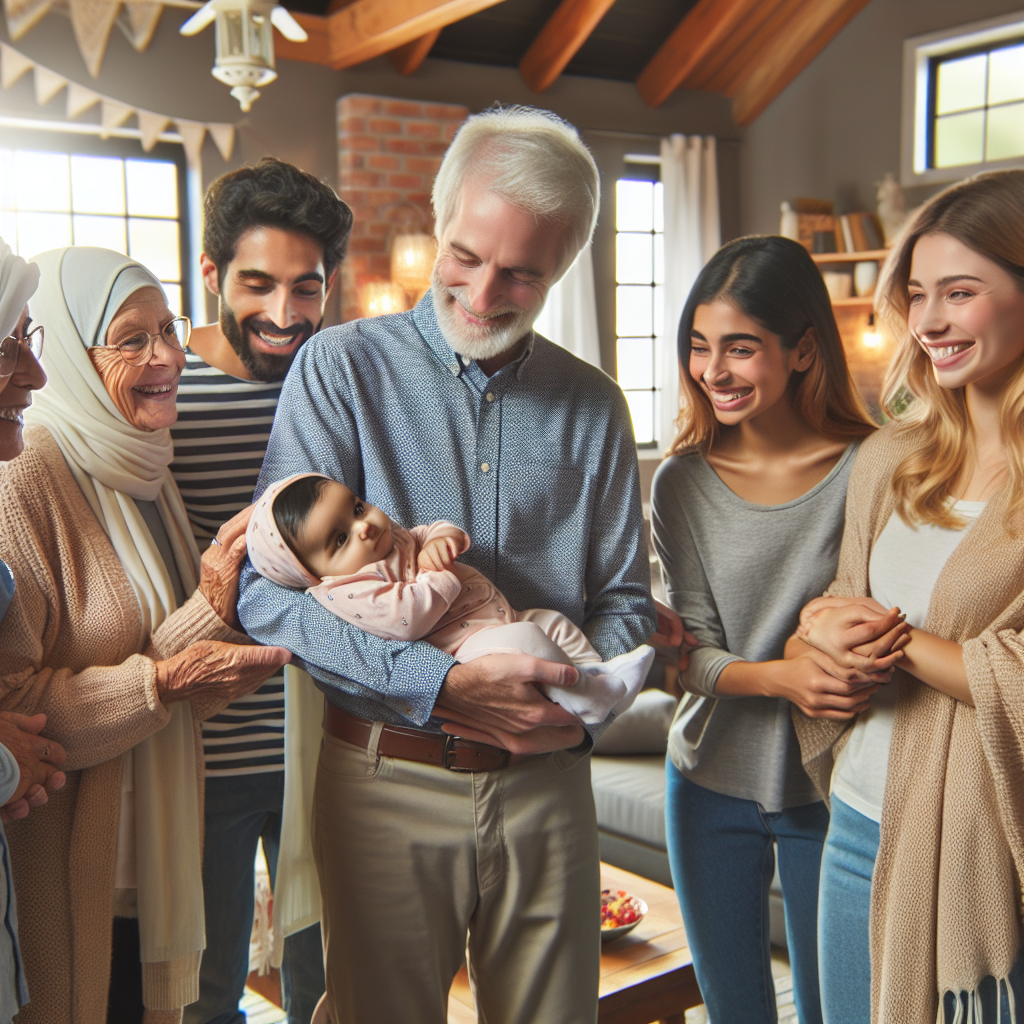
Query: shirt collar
426	322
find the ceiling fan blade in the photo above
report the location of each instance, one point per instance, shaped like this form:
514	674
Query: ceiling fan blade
203	17
287	25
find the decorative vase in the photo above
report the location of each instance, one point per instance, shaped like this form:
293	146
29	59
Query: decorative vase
865	275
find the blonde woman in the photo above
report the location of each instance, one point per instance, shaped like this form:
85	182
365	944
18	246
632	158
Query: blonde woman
921	875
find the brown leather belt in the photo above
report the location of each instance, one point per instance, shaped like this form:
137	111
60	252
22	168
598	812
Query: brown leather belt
440	749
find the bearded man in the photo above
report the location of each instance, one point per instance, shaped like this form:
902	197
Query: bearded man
453	801
273	238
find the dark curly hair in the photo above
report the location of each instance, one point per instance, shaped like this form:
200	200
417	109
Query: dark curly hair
273	194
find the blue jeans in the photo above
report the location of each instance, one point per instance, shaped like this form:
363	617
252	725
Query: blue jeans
843	946
241	810
722	852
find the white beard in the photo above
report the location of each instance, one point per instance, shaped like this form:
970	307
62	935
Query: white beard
477	342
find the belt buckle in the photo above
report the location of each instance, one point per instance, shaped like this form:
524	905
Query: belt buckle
449	750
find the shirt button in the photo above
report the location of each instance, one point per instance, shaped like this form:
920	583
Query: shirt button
484	466
489	396
454	368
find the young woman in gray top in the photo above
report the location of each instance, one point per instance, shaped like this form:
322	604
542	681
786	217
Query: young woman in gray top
748	514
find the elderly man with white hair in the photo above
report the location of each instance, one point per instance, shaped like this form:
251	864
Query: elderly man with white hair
453	809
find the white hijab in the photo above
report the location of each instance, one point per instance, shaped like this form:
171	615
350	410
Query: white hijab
117	464
18	281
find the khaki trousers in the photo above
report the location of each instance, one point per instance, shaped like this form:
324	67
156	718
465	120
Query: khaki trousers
414	858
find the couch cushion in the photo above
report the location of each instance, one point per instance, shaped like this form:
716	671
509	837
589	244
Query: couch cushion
629	793
642	728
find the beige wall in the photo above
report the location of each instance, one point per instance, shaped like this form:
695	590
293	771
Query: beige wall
836	129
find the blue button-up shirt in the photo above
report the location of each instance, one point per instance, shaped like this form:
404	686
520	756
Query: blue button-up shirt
537	463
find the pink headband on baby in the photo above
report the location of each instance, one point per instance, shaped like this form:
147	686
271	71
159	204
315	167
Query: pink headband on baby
268	550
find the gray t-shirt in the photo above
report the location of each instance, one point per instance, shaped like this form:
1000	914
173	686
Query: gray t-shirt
738	574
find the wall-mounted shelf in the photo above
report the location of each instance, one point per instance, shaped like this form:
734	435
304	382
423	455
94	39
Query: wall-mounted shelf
849	257
863	301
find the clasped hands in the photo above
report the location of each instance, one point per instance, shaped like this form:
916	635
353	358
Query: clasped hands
39	760
844	649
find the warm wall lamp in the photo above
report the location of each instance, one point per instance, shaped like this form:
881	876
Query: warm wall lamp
245	42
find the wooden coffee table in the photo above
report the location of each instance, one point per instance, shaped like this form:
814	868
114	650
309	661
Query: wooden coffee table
646	976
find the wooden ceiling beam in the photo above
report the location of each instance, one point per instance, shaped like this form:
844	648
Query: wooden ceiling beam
701	33
365	29
409	57
804	37
563	34
748	49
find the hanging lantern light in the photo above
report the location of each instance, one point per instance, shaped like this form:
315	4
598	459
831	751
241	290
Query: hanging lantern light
412	261
245	42
379	297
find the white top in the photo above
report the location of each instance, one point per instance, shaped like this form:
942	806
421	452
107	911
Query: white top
904	567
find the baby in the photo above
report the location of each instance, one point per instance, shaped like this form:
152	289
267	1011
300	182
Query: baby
312	533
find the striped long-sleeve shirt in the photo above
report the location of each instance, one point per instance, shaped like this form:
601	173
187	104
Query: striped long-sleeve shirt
537	463
219	443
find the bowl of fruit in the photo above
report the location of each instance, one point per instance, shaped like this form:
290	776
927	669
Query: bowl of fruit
620	913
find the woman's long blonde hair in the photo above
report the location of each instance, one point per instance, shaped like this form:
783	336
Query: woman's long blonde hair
774	281
985	213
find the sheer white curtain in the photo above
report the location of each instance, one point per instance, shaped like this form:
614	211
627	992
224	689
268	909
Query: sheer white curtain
689	173
569	317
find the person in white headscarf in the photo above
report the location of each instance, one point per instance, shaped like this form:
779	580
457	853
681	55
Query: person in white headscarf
104	637
29	762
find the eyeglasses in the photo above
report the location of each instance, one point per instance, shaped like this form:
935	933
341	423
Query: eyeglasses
10	349
138	349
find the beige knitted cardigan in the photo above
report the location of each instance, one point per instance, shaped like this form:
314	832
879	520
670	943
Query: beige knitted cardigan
946	891
69	647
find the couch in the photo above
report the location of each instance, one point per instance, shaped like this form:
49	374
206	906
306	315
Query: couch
628	777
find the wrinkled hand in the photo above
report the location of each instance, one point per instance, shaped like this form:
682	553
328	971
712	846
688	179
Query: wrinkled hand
856	633
499	692
438	554
673	645
38	758
211	668
221	563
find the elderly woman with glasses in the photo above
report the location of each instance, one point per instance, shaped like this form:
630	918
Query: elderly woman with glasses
125	640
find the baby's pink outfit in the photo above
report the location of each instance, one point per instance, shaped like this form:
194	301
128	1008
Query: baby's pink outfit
394	600
458	610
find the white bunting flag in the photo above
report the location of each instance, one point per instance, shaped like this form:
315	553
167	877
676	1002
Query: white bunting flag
151	125
12	65
223	136
192	135
112	115
80	99
48	84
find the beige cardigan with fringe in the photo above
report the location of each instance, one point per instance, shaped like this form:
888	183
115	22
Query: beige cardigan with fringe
946	892
69	648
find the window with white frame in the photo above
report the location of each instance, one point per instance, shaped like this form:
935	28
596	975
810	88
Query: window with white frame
639	277
963	102
52	199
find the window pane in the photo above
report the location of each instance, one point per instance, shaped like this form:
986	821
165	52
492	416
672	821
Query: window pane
633	205
38	232
9	229
42	181
961	83
641	406
97	184
152	188
635	362
958	139
659	206
173	292
105	232
659	259
154	243
1005	132
1006	74
633	312
634	258
658	298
